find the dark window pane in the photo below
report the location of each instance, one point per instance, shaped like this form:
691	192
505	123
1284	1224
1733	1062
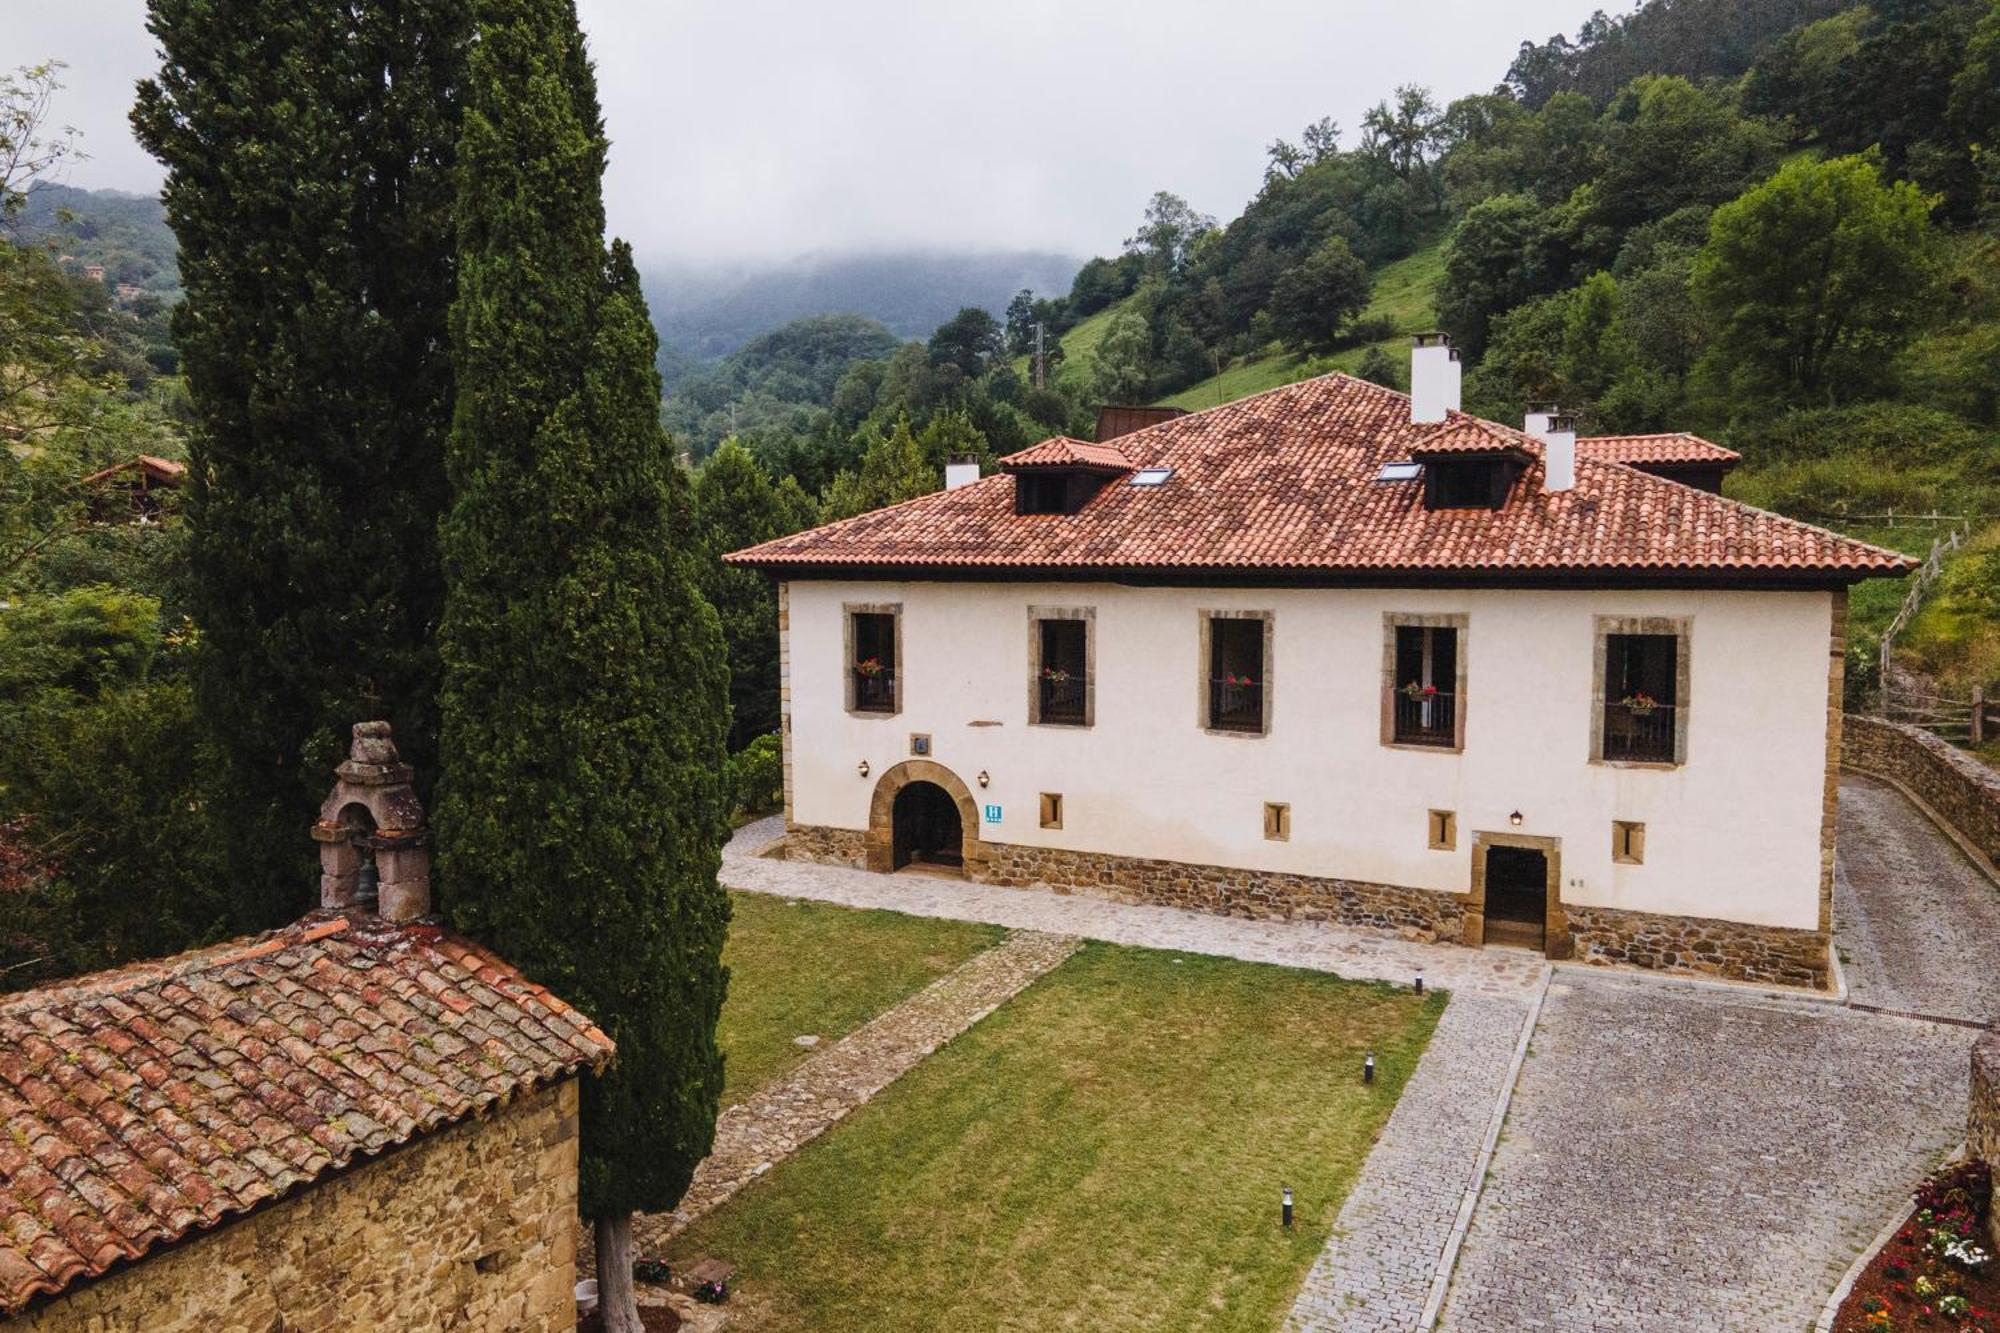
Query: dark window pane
1425	705
1641	682
1063	682
874	664
1236	674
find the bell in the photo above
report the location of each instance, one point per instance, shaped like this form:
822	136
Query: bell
368	884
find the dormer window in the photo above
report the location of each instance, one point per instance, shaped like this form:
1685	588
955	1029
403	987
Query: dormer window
1060	476
1055	490
1478	482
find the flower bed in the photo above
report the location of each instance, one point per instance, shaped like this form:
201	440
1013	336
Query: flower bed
1936	1272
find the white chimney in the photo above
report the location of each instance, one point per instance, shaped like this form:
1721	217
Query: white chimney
959	472
1559	453
1434	377
1539	415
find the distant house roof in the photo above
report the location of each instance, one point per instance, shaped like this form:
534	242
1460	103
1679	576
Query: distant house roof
1062	451
157	471
161	1099
1289	484
1672	448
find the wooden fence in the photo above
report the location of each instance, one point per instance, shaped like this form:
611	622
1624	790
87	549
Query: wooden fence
1927	706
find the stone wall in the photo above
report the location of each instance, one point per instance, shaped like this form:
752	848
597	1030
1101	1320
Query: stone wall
1731	949
1982	1130
832	846
1961	790
471	1228
1424	914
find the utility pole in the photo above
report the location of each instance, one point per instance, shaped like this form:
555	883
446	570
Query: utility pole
1041	364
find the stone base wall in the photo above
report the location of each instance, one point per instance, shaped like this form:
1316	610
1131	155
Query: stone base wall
1982	1129
472	1228
1964	792
1423	914
1772	955
832	846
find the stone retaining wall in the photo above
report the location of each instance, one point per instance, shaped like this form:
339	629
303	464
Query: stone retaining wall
471	1228
1769	954
1422	914
1982	1129
1964	792
832	846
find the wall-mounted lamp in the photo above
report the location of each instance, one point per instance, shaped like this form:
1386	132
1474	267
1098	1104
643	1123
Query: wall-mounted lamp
862	768
984	777
1515	819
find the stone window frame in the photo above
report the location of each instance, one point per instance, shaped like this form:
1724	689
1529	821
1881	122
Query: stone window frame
1441	830
1395	620
1206	617
1036	615
1628	842
1051	809
1682	629
848	611
1277	821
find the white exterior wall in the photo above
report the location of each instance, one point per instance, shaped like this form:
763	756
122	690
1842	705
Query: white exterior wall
1735	833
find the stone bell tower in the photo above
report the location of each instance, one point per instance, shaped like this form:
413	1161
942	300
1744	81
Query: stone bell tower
374	851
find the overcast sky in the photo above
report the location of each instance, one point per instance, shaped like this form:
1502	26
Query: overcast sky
762	129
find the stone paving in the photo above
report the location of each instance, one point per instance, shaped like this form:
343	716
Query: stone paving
753	1136
1918	925
1390	1243
1362	955
1687	1159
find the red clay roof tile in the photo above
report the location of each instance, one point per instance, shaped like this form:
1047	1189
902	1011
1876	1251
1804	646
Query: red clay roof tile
1285	483
1062	451
151	1100
1677	447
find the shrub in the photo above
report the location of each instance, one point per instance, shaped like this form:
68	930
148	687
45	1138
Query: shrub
757	775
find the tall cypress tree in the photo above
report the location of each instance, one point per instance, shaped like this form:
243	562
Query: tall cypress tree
309	181
584	707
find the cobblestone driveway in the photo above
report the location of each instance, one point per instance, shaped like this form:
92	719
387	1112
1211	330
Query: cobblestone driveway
1694	1160
1918	925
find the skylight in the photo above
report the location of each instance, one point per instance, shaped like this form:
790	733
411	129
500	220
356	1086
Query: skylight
1151	476
1400	472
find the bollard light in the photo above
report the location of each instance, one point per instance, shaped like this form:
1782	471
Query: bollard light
1420	981
1286	1207
1368	1068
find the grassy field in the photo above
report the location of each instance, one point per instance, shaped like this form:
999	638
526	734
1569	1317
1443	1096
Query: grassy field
1404	293
798	968
1103	1152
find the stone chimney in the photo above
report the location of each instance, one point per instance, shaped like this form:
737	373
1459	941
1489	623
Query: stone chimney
960	471
1559	453
1434	378
374	851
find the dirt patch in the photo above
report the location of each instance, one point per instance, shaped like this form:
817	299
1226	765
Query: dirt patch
656	1318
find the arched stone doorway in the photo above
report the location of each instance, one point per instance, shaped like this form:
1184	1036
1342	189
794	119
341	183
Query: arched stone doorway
926	829
884	852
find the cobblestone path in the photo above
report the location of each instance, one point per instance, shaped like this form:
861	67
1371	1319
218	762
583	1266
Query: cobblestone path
1389	1243
753	1136
1689	1159
1917	924
1308	944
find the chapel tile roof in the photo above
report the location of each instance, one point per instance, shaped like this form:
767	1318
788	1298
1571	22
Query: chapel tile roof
1285	483
164	471
1675	447
163	1098
1062	451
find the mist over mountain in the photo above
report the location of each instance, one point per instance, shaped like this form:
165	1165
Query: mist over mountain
706	313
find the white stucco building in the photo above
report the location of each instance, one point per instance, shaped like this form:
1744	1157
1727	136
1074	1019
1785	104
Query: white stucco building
1332	651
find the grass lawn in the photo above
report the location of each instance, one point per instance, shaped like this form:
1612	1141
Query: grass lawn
1103	1152
798	968
1404	292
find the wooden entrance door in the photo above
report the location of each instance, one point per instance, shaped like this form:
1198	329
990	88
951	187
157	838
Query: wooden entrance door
1516	894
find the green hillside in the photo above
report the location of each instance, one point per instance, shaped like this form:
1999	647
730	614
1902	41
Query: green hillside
1404	293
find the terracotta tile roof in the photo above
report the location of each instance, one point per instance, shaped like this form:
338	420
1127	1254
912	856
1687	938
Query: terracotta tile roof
1677	447
155	1100
161	471
1285	482
1461	434
1062	451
